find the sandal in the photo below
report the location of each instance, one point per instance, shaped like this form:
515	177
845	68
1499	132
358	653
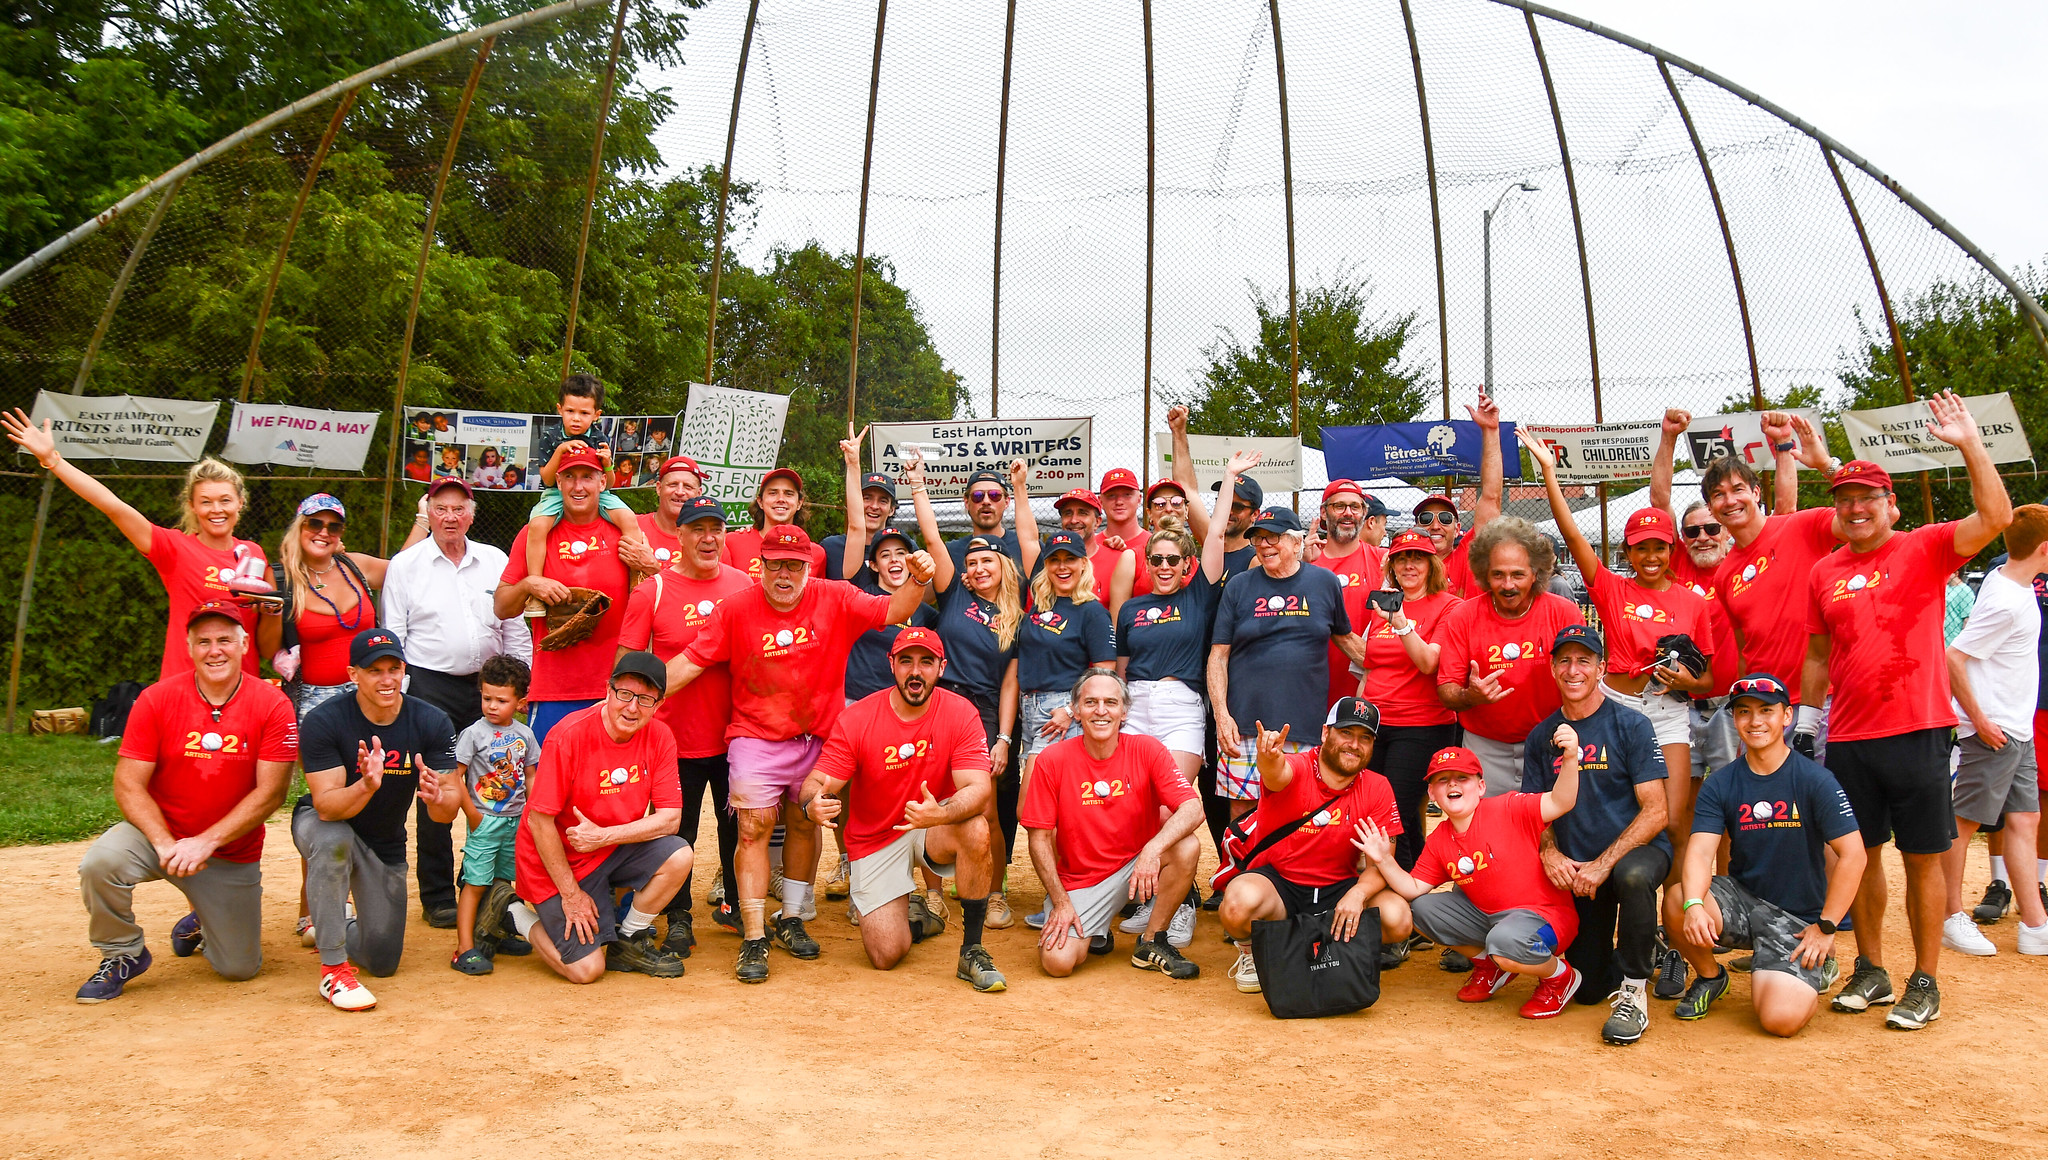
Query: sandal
472	962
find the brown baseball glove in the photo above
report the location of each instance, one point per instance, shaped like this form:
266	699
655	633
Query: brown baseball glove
572	621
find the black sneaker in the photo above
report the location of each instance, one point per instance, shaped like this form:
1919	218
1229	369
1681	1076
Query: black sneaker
1997	903
1214	902
1102	943
440	917
791	936
492	921
508	944
186	937
1869	984
1393	954
114	973
1921	1005
1671	976
681	936
978	968
1160	955
640	952
725	916
1453	962
753	964
1701	995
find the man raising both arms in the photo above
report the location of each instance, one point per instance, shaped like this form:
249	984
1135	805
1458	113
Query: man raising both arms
1874	614
883	756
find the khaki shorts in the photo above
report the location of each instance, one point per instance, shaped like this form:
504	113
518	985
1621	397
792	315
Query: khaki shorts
891	872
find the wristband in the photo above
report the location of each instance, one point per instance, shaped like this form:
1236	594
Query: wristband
1806	719
1784	446
1690	903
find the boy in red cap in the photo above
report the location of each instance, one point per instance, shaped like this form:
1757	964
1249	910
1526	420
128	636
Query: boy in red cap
580	403
777	503
1503	912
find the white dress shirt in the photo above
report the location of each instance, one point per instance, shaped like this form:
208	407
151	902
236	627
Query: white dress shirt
442	611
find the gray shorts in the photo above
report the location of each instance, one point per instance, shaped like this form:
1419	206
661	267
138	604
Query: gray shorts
1502	762
1033	711
625	868
1714	743
1770	933
1095	907
1452	920
891	872
1991	783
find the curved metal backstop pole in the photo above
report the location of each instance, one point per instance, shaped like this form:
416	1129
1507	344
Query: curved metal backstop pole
1756	381
1287	186
1436	220
860	235
995	313
92	351
1151	217
732	129
604	112
291	227
419	282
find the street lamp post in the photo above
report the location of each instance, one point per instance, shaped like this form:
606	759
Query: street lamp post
1486	219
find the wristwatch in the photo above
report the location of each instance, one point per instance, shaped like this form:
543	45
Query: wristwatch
1786	446
1825	926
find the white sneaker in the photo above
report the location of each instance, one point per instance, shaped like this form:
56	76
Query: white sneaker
1180	930
1246	972
1137	922
2033	939
339	986
1959	933
852	914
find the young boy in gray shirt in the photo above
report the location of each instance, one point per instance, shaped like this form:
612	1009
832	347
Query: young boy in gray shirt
496	754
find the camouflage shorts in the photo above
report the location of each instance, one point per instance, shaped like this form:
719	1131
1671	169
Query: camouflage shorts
1772	934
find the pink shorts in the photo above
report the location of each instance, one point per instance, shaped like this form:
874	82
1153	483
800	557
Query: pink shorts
767	773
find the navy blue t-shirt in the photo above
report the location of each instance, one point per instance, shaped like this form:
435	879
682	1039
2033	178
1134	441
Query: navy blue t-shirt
1618	751
1055	644
835	556
975	660
1011	548
1279	636
1238	561
1168	636
1778	827
328	739
867	666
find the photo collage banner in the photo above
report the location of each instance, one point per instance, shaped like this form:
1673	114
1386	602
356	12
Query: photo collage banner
504	451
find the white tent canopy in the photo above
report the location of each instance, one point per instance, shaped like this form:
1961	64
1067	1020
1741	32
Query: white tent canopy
1619	509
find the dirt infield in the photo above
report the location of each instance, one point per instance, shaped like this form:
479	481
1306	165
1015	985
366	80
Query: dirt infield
833	1057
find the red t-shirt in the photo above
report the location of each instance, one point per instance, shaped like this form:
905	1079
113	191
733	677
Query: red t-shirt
194	574
324	638
1633	616
1104	811
581	556
1727	655
1320	852
743	551
1362	567
1104	563
1344	682
1884	610
1495	862
1519	650
660	533
788	668
1763	586
1458	570
885	761
611	782
203	766
1404	694
663	616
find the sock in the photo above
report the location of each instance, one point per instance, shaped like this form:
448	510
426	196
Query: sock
1998	869
1638	984
523	917
972	912
775	848
1562	967
753	924
637	920
796	898
2041	870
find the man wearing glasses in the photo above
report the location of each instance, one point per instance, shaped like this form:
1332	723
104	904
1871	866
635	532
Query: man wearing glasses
785	644
988	499
601	816
1437	515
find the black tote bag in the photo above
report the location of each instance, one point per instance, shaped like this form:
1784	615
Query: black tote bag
1304	974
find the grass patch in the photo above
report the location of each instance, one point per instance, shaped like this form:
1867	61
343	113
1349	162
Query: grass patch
55	789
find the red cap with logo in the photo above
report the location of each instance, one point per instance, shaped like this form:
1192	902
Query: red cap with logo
1159	485
587	459
1452	759
1861	471
1343	487
1117	477
923	638
1078	495
785	542
1412	541
788	473
1650	523
218	608
680	463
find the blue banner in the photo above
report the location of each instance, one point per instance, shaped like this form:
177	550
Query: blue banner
1434	447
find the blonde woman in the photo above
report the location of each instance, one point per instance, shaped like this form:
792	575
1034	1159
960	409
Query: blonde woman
194	560
327	602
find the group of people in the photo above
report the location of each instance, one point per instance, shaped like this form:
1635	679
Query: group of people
1755	707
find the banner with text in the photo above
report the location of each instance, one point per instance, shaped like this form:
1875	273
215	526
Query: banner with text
127	426
299	436
1742	433
504	450
1278	470
1432	447
1896	438
1055	452
1599	454
735	437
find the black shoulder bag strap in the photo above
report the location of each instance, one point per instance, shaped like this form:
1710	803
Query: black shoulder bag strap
1282	833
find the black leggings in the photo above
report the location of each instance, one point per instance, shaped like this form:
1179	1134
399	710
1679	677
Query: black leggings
697	774
1401	754
1007	787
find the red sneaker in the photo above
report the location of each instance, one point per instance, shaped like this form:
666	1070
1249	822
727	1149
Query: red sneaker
1486	982
1552	994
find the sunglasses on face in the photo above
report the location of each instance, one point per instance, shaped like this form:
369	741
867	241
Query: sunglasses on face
1243	509
1170	502
324	527
985	496
1163	561
1695	531
1448	519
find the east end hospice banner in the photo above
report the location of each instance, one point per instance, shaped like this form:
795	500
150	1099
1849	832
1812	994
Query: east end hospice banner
1432	447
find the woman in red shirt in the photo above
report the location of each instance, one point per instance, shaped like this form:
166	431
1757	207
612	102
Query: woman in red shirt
327	603
1400	680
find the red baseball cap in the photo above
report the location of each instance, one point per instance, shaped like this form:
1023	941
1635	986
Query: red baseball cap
785	542
587	459
445	482
1078	495
1650	523
788	473
1159	485
1452	759
1412	541
923	638
218	608
1343	487
1117	477
680	463
1439	497
1861	471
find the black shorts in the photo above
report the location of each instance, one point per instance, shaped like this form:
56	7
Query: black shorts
1899	787
627	867
1299	899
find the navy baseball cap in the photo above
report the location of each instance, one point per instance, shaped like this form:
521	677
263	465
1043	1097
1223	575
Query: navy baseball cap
1354	713
1277	519
988	477
700	507
876	481
1247	489
1760	687
1374	506
1582	636
885	532
1068	542
372	645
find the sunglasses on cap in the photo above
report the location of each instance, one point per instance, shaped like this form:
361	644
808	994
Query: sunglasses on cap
1756	685
1695	531
1160	560
1437	516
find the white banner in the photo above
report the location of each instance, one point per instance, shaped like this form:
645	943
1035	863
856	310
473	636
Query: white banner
1896	438
1279	470
1742	433
127	426
1598	454
735	437
1055	452
299	436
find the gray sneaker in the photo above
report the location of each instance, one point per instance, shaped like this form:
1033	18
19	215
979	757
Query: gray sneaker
977	968
1630	1019
1868	984
641	953
1672	976
1921	1006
